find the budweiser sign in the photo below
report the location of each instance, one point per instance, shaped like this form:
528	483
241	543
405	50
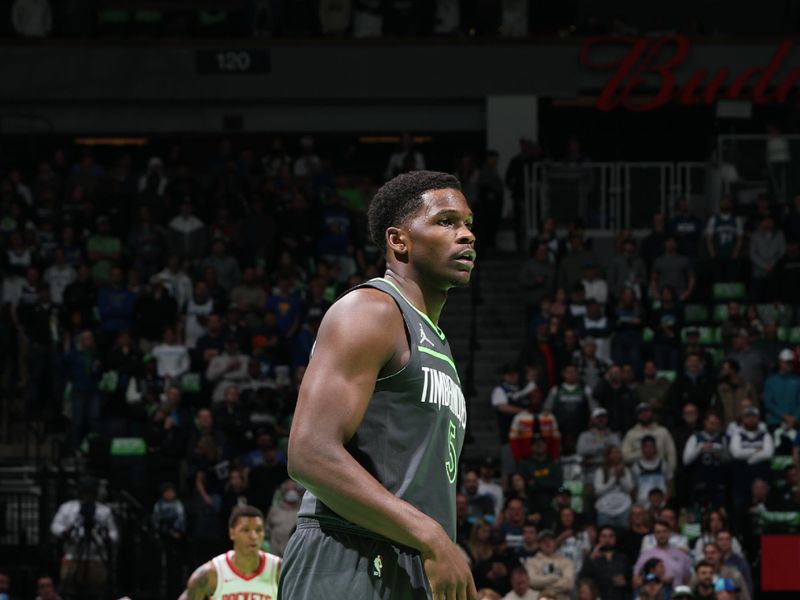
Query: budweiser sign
649	66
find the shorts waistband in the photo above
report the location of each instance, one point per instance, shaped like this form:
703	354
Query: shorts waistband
325	524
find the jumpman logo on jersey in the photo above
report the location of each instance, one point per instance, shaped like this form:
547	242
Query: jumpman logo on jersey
423	337
377	566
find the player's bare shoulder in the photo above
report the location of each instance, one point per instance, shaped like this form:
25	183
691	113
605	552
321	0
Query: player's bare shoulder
202	583
365	312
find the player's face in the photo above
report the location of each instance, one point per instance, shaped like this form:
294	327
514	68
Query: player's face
441	244
247	535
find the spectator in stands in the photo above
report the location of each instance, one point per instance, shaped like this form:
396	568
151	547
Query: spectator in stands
782	392
751	448
155	311
507	401
225	265
172	357
608	567
692	386
651	471
626	343
613	395
785	277
596	325
687	230
730	391
407	158
612	485
572	542
146	244
594	443
724	238
228	368
571	405
713	556
666	322
752	363
676	539
488	486
672	270
530	543
654	390
705	459
627	271
116	304
83	369
595	285
58	276
537	277
767	246
520	586
647	426
281	518
713	522
570	270
731	558
176	281
103	250
198	308
46	588
186	234
287	307
677	568
768	344
510	527
542	474
550	573
703	581
481	506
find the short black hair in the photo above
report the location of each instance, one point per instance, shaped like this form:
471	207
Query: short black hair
240	512
400	197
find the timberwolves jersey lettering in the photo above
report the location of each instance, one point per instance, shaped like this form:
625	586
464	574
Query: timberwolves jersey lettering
413	429
234	585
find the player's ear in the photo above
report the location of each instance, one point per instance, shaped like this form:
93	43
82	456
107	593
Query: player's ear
397	240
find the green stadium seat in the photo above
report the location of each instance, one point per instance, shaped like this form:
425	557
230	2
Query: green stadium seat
647	335
717	354
720	313
695	313
783	334
668	375
733	290
794	335
113	17
148	17
128	446
716	335
772	312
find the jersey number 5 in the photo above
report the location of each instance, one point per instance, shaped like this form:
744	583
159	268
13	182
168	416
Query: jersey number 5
452	459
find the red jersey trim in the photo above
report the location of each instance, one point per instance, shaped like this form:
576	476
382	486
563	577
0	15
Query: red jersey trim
254	574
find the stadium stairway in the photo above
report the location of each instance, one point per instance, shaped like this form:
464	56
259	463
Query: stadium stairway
499	320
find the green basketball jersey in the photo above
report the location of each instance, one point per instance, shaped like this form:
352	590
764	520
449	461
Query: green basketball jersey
411	436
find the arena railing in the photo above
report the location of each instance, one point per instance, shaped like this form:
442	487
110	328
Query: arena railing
610	196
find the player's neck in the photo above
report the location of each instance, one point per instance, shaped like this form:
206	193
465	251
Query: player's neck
427	299
246	563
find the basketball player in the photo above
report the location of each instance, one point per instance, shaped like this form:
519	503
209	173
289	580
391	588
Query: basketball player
245	573
380	418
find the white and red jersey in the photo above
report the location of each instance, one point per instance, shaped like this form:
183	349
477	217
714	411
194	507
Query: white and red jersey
261	584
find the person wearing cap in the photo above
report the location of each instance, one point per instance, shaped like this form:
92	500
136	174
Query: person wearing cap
229	368
705	459
646	425
730	391
752	449
726	589
682	592
488	486
550	573
782	393
506	400
652	588
593	443
542	474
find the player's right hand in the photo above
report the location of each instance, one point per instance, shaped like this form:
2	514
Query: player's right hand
448	572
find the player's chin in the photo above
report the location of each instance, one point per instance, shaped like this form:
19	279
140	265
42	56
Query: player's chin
461	278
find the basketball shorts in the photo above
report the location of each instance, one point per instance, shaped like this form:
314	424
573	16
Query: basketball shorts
328	562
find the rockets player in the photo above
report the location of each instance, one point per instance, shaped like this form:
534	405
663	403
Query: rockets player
244	573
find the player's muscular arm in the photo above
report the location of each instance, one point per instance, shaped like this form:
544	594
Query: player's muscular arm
201	584
361	338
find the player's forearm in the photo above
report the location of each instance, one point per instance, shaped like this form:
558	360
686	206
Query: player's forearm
335	477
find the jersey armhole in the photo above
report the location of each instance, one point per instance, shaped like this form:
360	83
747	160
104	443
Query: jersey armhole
219	575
